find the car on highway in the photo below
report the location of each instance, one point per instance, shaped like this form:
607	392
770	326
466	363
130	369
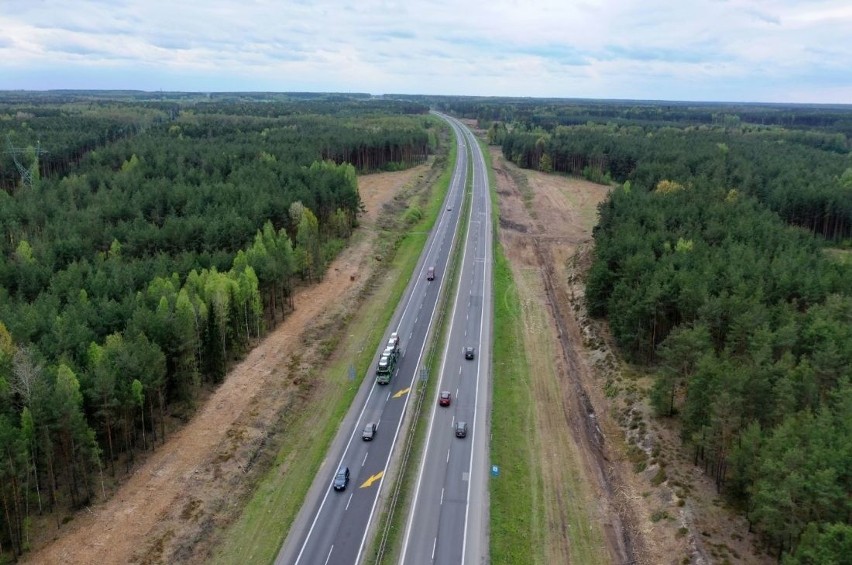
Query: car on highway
341	479
430	274
449	208
461	429
445	398
369	432
469	352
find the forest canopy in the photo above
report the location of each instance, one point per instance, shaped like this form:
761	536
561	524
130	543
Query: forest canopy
145	244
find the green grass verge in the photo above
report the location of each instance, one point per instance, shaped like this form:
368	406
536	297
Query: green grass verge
492	184
263	525
515	509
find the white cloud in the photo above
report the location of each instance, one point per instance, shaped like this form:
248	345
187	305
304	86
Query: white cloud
707	49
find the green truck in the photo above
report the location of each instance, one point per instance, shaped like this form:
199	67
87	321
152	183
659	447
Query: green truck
387	362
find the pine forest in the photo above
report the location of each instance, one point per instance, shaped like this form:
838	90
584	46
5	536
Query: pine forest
147	240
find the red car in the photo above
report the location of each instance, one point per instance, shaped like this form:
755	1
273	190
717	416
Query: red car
445	398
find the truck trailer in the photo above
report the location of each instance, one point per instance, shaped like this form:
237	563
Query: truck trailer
387	362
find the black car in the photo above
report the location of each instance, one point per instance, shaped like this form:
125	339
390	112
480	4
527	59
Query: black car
461	429
469	352
369	432
341	479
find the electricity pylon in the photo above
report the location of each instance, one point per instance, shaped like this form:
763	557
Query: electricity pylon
26	173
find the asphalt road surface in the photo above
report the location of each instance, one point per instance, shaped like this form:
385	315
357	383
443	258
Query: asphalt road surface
448	520
333	526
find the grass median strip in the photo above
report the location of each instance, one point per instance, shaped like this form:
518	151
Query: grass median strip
516	505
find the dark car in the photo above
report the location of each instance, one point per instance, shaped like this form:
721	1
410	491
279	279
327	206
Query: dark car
430	274
369	432
469	352
445	398
341	479
461	429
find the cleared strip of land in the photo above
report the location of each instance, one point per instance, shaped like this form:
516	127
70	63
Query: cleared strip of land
548	505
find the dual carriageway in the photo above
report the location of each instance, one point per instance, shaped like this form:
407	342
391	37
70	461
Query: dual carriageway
447	520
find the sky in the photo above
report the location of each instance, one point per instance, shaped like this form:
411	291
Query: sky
695	50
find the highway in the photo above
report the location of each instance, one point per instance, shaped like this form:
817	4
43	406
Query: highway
333	527
448	520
